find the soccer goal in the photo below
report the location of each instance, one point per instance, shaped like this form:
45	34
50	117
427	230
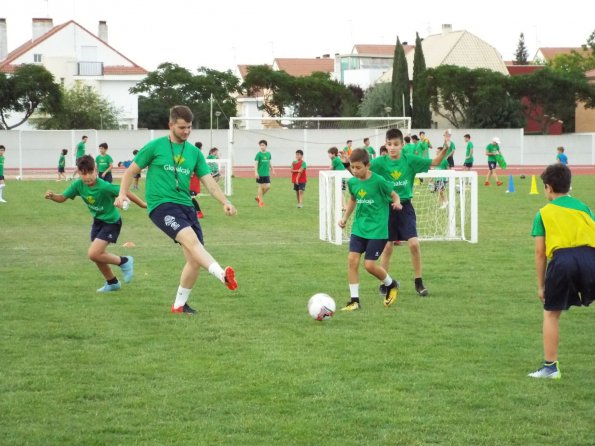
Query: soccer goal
445	204
221	171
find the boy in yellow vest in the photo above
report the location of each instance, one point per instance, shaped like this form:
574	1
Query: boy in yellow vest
564	232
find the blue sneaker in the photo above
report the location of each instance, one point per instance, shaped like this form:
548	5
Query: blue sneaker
551	371
128	269
107	287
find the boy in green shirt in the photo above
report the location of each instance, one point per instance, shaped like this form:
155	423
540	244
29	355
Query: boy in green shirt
370	195
2	185
492	152
62	165
80	152
468	163
262	170
564	232
105	163
369	148
99	197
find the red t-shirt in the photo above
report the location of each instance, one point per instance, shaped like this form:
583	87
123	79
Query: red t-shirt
297	165
194	184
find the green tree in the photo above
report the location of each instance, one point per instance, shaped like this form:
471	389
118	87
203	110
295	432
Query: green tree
473	98
400	83
376	100
171	85
521	55
31	87
421	114
82	108
577	62
303	96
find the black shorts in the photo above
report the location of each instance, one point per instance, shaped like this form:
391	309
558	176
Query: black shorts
171	218
105	176
451	161
108	232
299	186
492	165
372	247
60	169
1	177
440	184
263	180
402	225
570	278
137	175
469	165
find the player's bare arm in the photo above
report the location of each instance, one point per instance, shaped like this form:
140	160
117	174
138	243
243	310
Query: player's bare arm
540	265
348	211
218	194
129	173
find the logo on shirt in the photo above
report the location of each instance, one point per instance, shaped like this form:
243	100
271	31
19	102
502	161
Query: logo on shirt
395	174
90	200
179	159
170	221
362	193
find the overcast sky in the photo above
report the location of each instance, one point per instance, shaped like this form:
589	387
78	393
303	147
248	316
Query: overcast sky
222	34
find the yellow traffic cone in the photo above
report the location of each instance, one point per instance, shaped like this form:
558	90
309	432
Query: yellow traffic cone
533	186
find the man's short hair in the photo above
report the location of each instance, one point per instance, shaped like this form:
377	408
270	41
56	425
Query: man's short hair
361	156
394	134
558	177
85	164
180	112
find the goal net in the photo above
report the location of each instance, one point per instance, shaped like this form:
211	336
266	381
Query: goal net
445	203
221	171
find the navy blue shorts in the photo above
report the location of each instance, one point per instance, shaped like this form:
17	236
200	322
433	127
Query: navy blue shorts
469	165
570	278
105	176
60	169
299	186
171	218
1	177
108	232
402	225
492	165
263	180
451	161
372	247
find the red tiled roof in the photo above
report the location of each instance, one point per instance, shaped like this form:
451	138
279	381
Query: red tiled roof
7	66
380	50
121	69
518	70
550	53
305	67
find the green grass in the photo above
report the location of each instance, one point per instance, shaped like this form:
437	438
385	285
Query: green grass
252	368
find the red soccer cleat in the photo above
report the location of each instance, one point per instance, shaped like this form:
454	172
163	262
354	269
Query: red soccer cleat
230	278
199	214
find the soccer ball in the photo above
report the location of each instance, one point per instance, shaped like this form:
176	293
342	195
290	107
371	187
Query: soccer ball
321	307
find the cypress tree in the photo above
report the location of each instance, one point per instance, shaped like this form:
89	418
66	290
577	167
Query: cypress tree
421	116
521	55
400	83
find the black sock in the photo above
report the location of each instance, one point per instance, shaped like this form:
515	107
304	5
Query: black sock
355	299
196	205
123	260
549	363
418	282
392	285
112	281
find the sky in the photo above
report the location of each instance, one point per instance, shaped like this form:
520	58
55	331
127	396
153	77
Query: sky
223	34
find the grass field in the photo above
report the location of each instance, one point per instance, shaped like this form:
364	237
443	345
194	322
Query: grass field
80	368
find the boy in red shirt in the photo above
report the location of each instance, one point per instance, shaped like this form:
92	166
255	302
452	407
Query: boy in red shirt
298	177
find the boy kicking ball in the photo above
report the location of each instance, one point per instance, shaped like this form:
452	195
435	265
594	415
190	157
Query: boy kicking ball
370	194
99	197
564	232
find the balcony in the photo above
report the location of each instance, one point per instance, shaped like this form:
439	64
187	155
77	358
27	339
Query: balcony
89	69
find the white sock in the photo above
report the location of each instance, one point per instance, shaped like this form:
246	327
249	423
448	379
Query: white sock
1	190
354	289
388	280
182	296
216	270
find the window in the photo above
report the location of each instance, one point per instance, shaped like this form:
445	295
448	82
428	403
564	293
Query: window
37	58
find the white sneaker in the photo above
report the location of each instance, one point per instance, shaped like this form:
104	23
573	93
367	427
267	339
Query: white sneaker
444	205
2	200
551	372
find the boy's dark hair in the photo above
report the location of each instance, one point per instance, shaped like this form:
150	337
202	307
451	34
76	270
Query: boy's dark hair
104	145
394	134
383	149
467	135
2	147
348	141
415	137
213	150
263	141
198	144
135	151
85	164
300	151
333	151
180	112
561	149
85	137
422	133
64	151
361	156
366	139
439	148
407	139
558	177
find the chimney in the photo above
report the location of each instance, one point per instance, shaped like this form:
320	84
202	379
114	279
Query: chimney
41	26
3	40
102	30
446	28
326	56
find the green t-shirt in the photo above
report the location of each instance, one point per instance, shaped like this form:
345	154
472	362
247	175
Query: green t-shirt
161	182
1	164
492	148
468	153
80	149
99	198
372	197
62	161
424	148
410	149
451	148
264	164
371	151
337	164
213	166
103	162
401	172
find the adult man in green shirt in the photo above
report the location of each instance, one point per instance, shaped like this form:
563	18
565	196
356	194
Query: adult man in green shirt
170	161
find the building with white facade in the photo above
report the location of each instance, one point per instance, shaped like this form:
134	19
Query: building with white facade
75	55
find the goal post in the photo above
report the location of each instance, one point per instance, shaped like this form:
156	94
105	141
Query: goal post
221	171
445	202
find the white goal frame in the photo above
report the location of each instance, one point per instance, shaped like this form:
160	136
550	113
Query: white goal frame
225	170
457	227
